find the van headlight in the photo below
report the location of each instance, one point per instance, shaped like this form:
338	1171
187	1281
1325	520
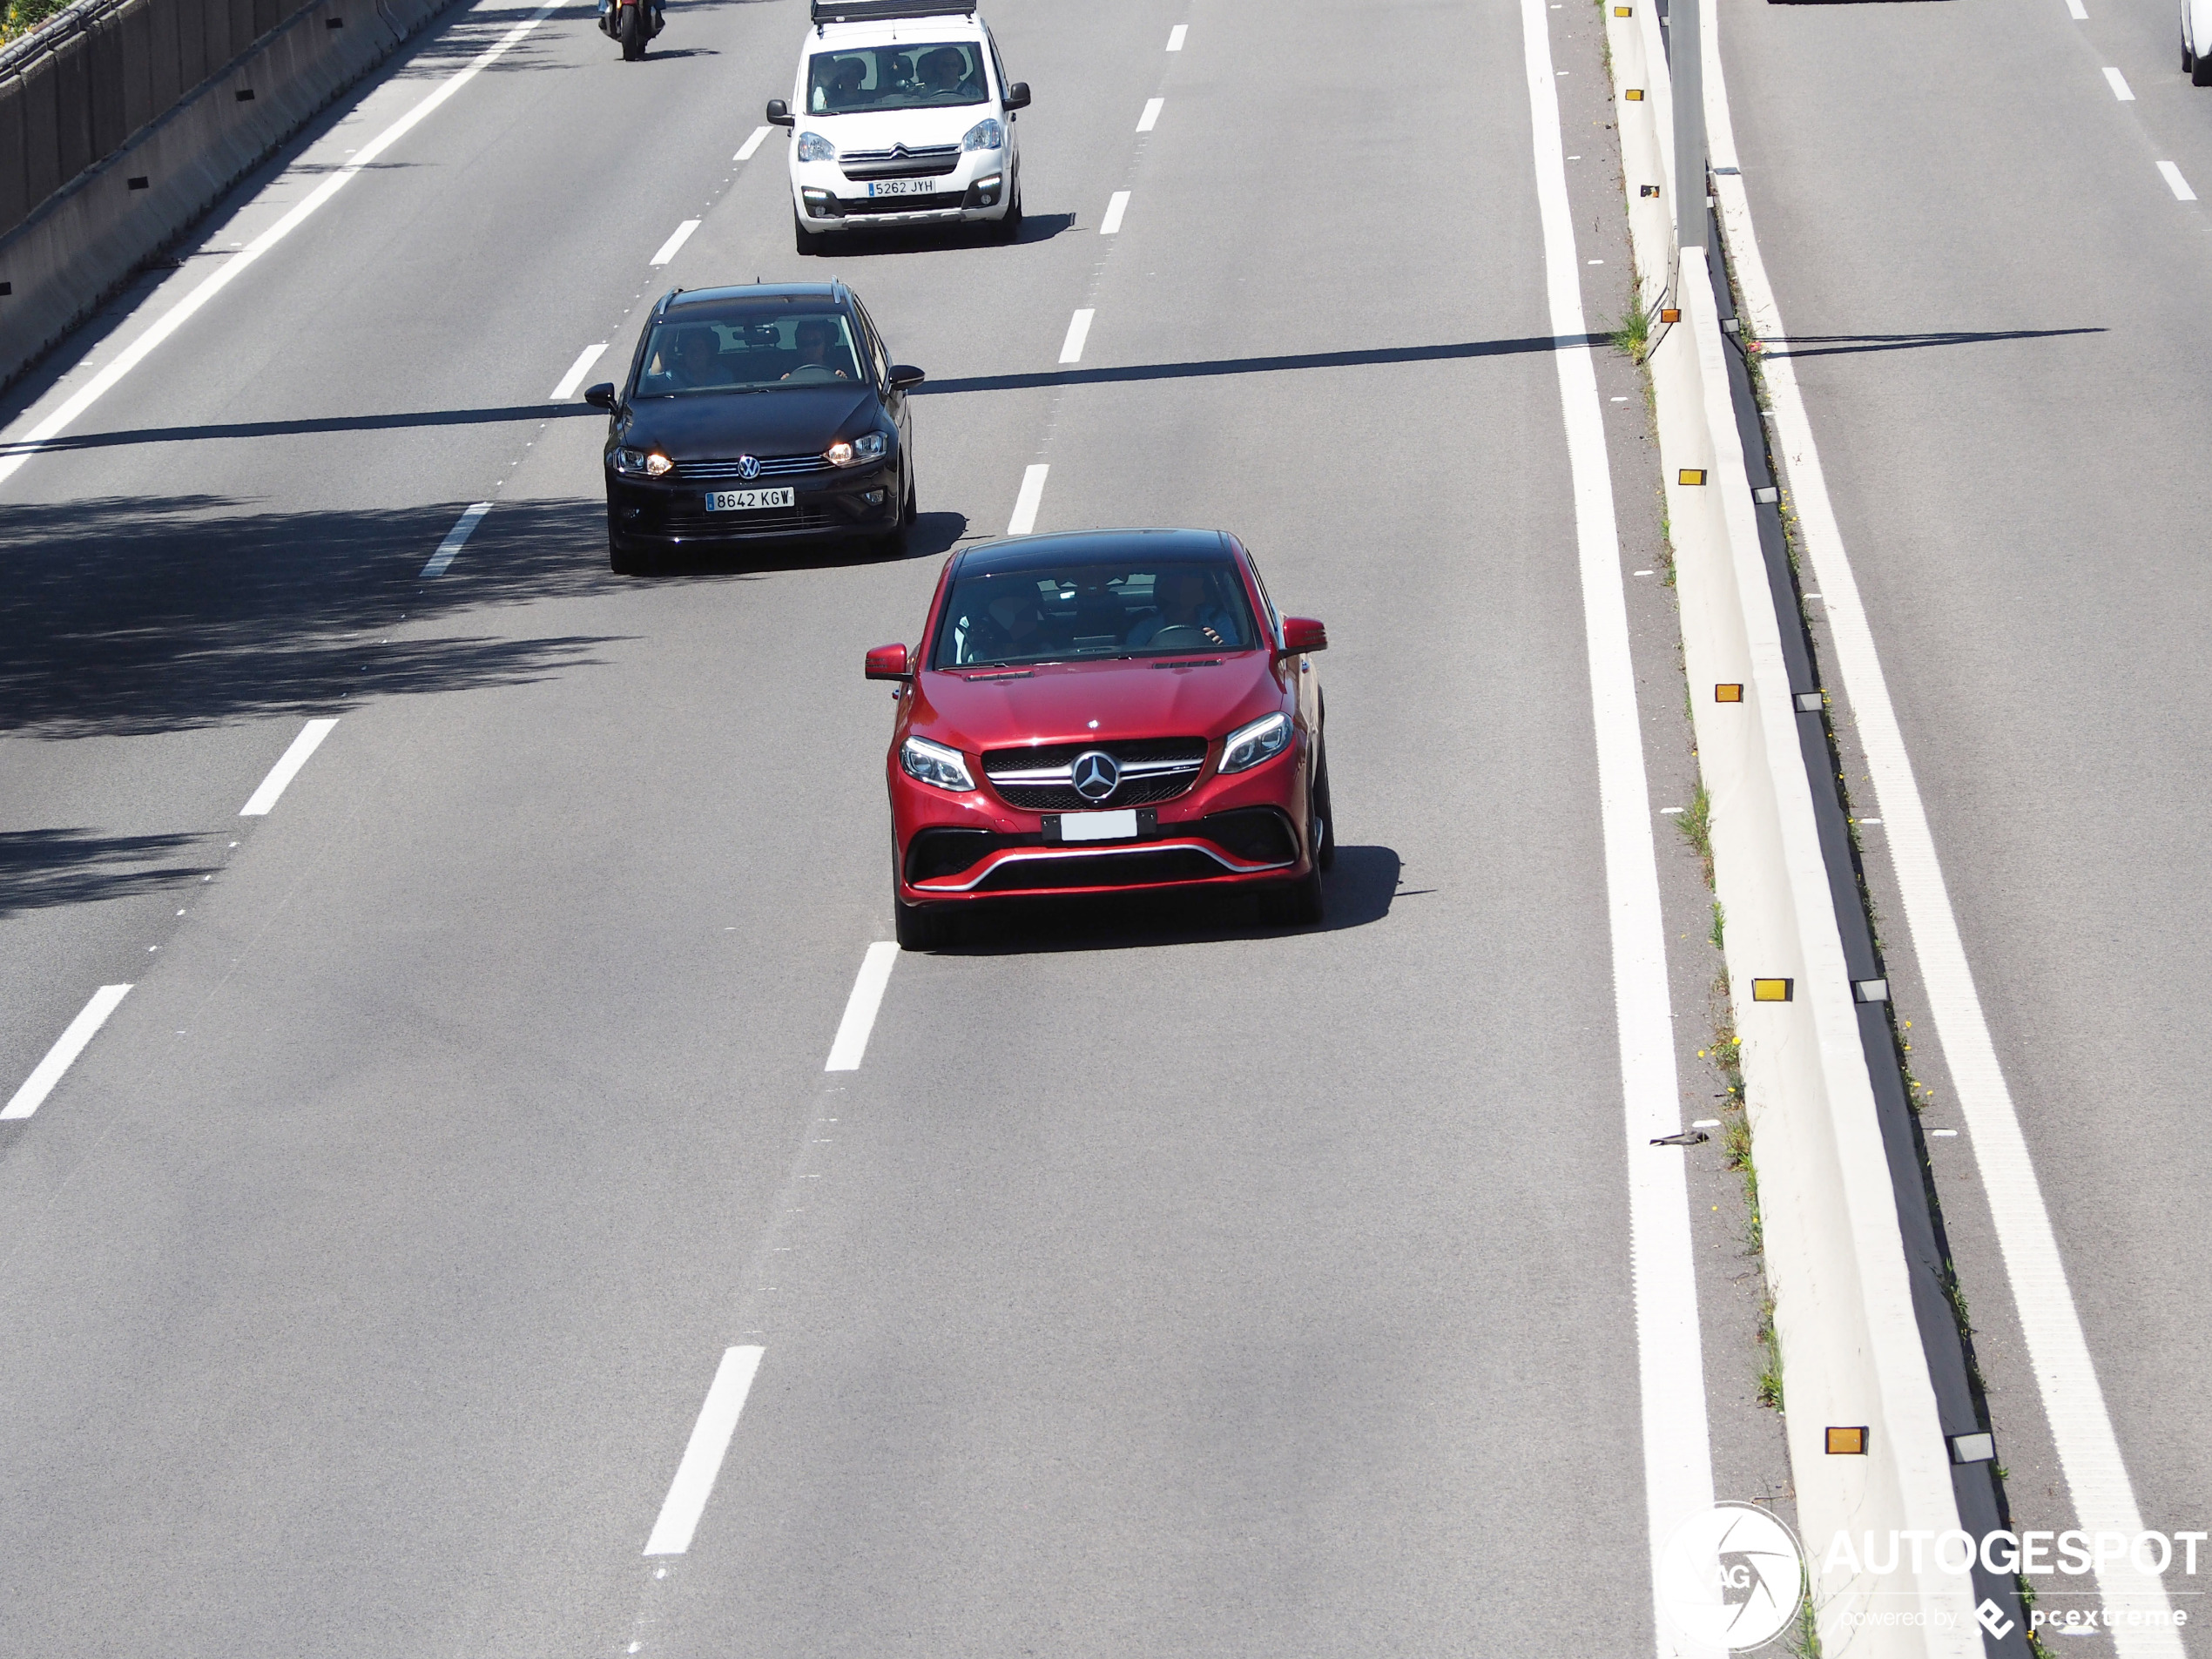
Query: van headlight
812	146
986	134
1248	745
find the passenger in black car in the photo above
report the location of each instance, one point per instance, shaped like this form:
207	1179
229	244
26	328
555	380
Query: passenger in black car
699	361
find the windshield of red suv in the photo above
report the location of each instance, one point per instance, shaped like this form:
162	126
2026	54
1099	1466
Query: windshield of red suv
855	79
994	618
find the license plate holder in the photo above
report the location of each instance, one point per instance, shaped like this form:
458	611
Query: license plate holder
1075	829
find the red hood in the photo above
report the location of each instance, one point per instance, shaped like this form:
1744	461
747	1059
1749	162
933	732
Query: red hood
1057	703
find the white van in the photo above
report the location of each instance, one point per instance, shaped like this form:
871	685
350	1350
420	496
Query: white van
901	114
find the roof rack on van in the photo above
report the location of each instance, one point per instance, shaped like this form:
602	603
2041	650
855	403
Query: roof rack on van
888	10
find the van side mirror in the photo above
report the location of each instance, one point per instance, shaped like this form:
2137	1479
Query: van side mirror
601	396
1017	96
888	663
904	375
778	113
1303	634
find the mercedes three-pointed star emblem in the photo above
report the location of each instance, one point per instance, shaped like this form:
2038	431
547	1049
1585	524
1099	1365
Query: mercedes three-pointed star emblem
1095	774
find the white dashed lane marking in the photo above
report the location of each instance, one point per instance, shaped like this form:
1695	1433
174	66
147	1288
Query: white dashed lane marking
1071	349
682	235
577	370
287	769
62	1054
759	137
456	537
2175	183
1151	116
2119	85
710	1443
1175	36
1116	205
1026	503
851	1040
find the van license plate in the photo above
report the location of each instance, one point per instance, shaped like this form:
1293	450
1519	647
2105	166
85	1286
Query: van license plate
903	187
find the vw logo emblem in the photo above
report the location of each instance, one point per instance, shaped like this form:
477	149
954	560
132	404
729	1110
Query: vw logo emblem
1096	774
748	466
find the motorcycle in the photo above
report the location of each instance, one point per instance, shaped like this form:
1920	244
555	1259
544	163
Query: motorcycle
633	22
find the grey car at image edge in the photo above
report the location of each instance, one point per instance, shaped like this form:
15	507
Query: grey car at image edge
768	413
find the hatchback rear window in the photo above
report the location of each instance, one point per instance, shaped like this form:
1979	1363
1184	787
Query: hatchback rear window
994	618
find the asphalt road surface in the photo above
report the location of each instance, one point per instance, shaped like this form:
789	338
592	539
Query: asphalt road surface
1159	1282
1994	293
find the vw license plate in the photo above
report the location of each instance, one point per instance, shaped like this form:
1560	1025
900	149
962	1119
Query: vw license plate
744	500
903	187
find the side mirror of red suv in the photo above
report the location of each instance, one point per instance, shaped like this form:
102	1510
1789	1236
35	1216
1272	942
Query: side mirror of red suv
1303	634
889	663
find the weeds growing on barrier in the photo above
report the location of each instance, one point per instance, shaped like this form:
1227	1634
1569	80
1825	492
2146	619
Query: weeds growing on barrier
19	17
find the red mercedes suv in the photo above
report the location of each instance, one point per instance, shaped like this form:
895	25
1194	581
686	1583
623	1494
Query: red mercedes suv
1104	710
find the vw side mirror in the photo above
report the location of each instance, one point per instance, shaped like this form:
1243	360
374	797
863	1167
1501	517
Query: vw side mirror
778	113
889	663
601	396
904	375
1303	634
1017	96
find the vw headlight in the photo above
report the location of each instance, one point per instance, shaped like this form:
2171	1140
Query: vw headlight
850	452
639	461
986	134
1250	744
812	146
933	763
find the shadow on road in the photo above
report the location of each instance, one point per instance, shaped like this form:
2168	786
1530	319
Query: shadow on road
1360	890
43	867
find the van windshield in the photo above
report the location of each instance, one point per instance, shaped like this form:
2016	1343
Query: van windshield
855	79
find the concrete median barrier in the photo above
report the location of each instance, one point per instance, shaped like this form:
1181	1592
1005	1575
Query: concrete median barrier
118	131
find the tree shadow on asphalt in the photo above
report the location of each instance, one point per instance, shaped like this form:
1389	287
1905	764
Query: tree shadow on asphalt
1360	889
43	867
128	616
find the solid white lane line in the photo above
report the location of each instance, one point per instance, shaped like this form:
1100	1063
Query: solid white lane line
1677	1454
456	539
852	1039
2077	11
577	370
224	275
28	1099
1175	36
710	1443
682	234
1146	121
2175	183
287	769
1116	205
1071	349
2118	83
2074	1402
759	137
1026	503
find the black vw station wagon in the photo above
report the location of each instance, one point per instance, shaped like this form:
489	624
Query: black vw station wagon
766	413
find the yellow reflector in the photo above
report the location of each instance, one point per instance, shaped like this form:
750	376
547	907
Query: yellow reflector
1847	1442
1635	95
1772	990
1671	315
1691	475
1727	692
1624	11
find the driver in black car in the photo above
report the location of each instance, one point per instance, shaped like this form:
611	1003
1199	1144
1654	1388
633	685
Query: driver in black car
1184	604
815	362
